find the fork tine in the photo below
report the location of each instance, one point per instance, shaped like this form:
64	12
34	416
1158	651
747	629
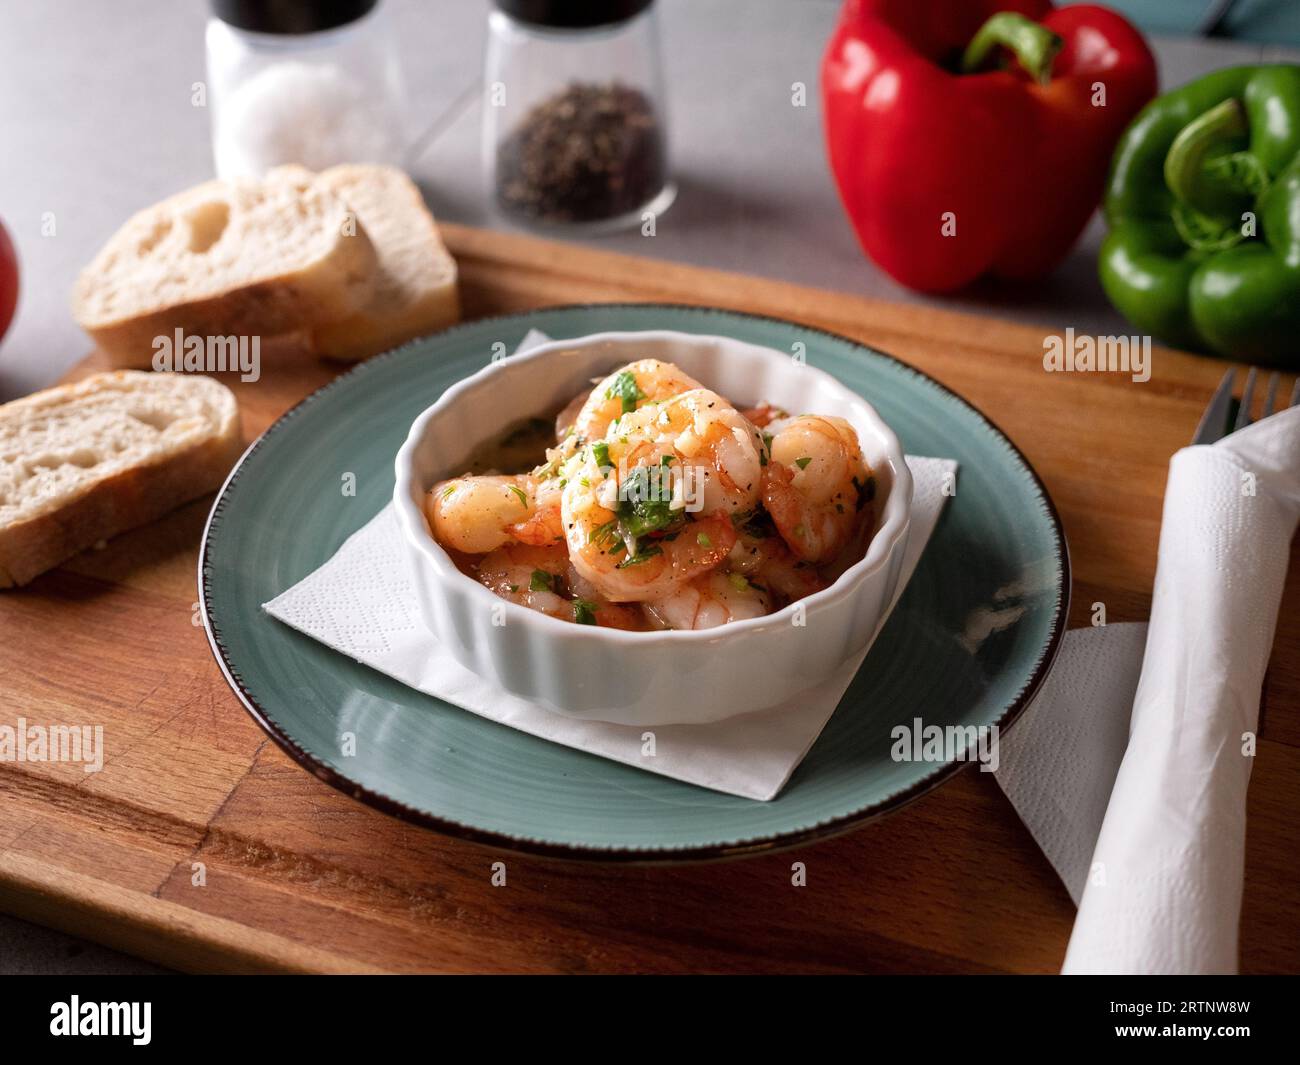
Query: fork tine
1214	422
1271	397
1247	394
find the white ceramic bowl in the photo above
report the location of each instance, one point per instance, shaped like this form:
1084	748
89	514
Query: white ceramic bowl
645	678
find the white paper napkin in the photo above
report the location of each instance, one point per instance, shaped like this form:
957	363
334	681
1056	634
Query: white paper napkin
361	604
1161	890
1058	762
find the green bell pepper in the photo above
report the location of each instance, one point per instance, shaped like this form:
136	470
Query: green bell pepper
1203	202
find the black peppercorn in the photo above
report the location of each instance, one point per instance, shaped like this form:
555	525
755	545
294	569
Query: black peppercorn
586	154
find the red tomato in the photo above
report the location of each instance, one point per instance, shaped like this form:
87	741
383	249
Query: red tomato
8	280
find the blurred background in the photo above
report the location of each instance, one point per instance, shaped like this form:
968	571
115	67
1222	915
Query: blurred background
96	108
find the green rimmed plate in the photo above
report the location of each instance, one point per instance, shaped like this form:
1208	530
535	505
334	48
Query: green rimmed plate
998	549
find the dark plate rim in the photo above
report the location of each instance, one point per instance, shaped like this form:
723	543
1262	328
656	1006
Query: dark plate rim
627	855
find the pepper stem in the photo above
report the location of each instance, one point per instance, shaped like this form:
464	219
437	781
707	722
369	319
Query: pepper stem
1034	45
1185	163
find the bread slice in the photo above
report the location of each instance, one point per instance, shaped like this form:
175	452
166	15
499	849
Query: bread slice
226	258
83	462
415	290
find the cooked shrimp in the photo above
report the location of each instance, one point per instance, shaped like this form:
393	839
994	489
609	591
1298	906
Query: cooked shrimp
654	566
767	562
590	605
478	514
541	579
530	576
817	485
649	508
627	389
763	415
706	602
713	453
565	420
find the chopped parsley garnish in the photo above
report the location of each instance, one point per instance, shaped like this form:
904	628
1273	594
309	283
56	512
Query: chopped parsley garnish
640	511
449	489
738	581
605	533
641	556
703	540
523	496
600	452
667	460
626	389
584	612
803	462
541	582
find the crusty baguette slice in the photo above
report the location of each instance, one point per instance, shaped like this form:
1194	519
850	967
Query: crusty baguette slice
82	462
415	290
226	258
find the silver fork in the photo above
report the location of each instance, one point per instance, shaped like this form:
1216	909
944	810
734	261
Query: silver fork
1226	415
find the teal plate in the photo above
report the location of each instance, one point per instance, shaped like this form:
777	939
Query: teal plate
968	644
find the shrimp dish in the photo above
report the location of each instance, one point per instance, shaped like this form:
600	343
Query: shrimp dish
652	502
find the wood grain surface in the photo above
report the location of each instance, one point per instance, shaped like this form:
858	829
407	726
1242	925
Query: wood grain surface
298	877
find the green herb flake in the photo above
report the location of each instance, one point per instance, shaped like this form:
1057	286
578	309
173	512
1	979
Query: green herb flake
639	510
667	460
802	463
600	452
584	612
703	540
541	582
626	389
603	533
641	556
523	496
738	581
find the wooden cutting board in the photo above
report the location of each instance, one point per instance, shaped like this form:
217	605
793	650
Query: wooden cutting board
200	845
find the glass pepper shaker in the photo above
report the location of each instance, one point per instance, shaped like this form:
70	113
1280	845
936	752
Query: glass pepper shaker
315	82
574	130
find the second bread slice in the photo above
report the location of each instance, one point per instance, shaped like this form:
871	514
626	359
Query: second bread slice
415	288
227	258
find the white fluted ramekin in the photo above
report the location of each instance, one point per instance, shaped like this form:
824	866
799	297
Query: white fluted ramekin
645	678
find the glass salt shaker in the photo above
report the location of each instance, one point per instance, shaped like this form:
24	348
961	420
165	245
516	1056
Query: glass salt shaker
574	128
315	82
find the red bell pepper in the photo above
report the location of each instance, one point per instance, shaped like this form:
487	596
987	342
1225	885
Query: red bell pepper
952	167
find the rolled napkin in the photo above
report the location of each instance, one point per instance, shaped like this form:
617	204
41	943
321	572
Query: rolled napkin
1163	893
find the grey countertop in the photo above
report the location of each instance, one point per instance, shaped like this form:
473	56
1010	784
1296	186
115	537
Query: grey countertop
95	105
